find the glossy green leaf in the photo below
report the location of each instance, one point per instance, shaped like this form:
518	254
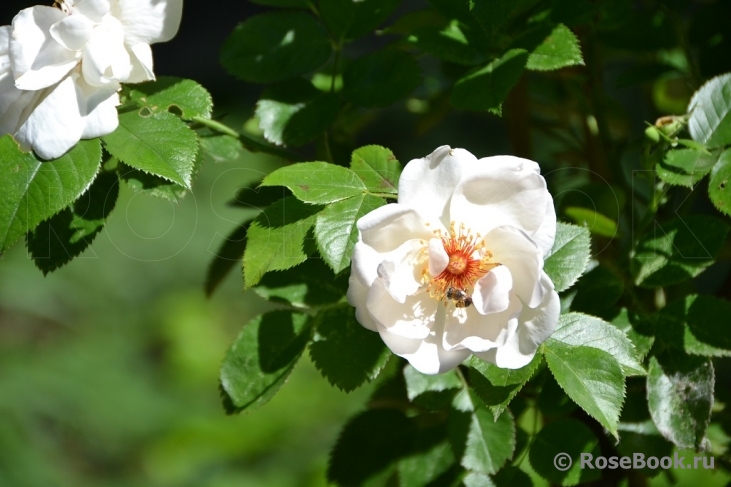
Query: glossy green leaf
336	231
377	167
592	378
368	444
161	145
418	383
221	148
230	254
486	88
719	189
338	331
678	250
685	167
697	325
710	112
275	46
480	442
33	191
577	329
276	239
558	50
448	43
381	78
569	256
317	182
556	452
639	330
295	112
426	468
350	20
262	357
680	397
597	223
61	238
181	96
476	479
496	386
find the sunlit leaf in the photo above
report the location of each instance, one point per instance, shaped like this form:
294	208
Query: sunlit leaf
181	96
569	256
317	182
710	112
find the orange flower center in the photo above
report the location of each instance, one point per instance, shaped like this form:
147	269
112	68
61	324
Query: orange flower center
469	260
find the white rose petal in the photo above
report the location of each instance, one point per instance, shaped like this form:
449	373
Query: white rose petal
456	266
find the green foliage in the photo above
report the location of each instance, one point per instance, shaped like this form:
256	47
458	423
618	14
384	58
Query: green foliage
338	330
182	96
591	377
486	88
295	112
710	112
378	168
34	191
482	443
262	357
159	144
569	256
685	167
718	187
448	43
572	438
380	79
275	46
317	182
678	250
679	396
65	235
557	50
695	324
350	20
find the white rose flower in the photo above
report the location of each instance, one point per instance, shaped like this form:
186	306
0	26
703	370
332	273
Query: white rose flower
456	266
67	65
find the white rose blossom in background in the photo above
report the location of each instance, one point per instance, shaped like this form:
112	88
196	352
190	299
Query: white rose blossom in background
61	68
461	225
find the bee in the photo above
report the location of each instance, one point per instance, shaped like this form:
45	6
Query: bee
460	297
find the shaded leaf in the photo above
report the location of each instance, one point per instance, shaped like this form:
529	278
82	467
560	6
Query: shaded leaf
596	293
448	43
719	189
64	236
426	468
275	46
480	442
596	222
685	167
381	78
33	191
346	353
350	20
262	357
558	50
308	284
221	148
229	254
697	325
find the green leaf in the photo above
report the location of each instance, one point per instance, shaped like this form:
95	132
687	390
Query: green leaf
597	292
710	112
64	236
257	198
680	396
719	189
644	437
512	477
561	443
685	167
678	250
262	357
346	353
350	20
381	78
596	222
697	325
275	46
160	144
637	329
221	148
306	285
276	239
335	228
142	182
317	182
486	88
181	96
482	443
377	167
558	50
592	378
496	386
229	255
295	112
368	444
432	392
448	43
33	191
577	329
475	479
569	256
426	468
